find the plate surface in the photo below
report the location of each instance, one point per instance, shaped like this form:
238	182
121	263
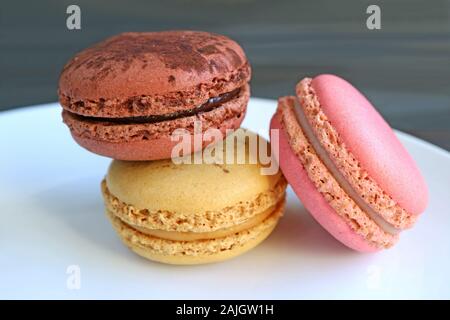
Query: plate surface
52	219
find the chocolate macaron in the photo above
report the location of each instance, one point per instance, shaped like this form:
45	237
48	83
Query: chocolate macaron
126	96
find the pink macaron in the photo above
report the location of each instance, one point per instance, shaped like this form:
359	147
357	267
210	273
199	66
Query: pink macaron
346	164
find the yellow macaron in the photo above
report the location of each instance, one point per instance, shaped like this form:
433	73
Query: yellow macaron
194	213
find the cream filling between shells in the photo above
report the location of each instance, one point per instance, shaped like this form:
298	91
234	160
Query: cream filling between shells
329	164
193	236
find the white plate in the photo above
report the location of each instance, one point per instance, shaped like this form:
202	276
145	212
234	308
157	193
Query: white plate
52	218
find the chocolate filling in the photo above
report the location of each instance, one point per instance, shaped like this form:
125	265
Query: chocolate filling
209	105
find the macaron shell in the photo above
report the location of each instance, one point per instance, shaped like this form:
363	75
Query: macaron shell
215	222
372	142
148	63
152	141
193	236
311	198
197	251
152	149
144	150
201	259
192	188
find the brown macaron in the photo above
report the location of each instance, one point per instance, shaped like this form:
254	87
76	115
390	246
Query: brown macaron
125	96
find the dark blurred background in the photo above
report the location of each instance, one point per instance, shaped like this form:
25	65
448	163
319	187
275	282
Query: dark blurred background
404	68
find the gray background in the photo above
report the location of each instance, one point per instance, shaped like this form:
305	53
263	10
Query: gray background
404	68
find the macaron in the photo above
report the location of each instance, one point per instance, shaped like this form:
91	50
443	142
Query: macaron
125	97
346	164
194	213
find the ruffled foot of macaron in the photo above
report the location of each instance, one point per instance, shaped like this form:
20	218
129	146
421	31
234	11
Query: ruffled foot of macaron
346	164
193	213
125	97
